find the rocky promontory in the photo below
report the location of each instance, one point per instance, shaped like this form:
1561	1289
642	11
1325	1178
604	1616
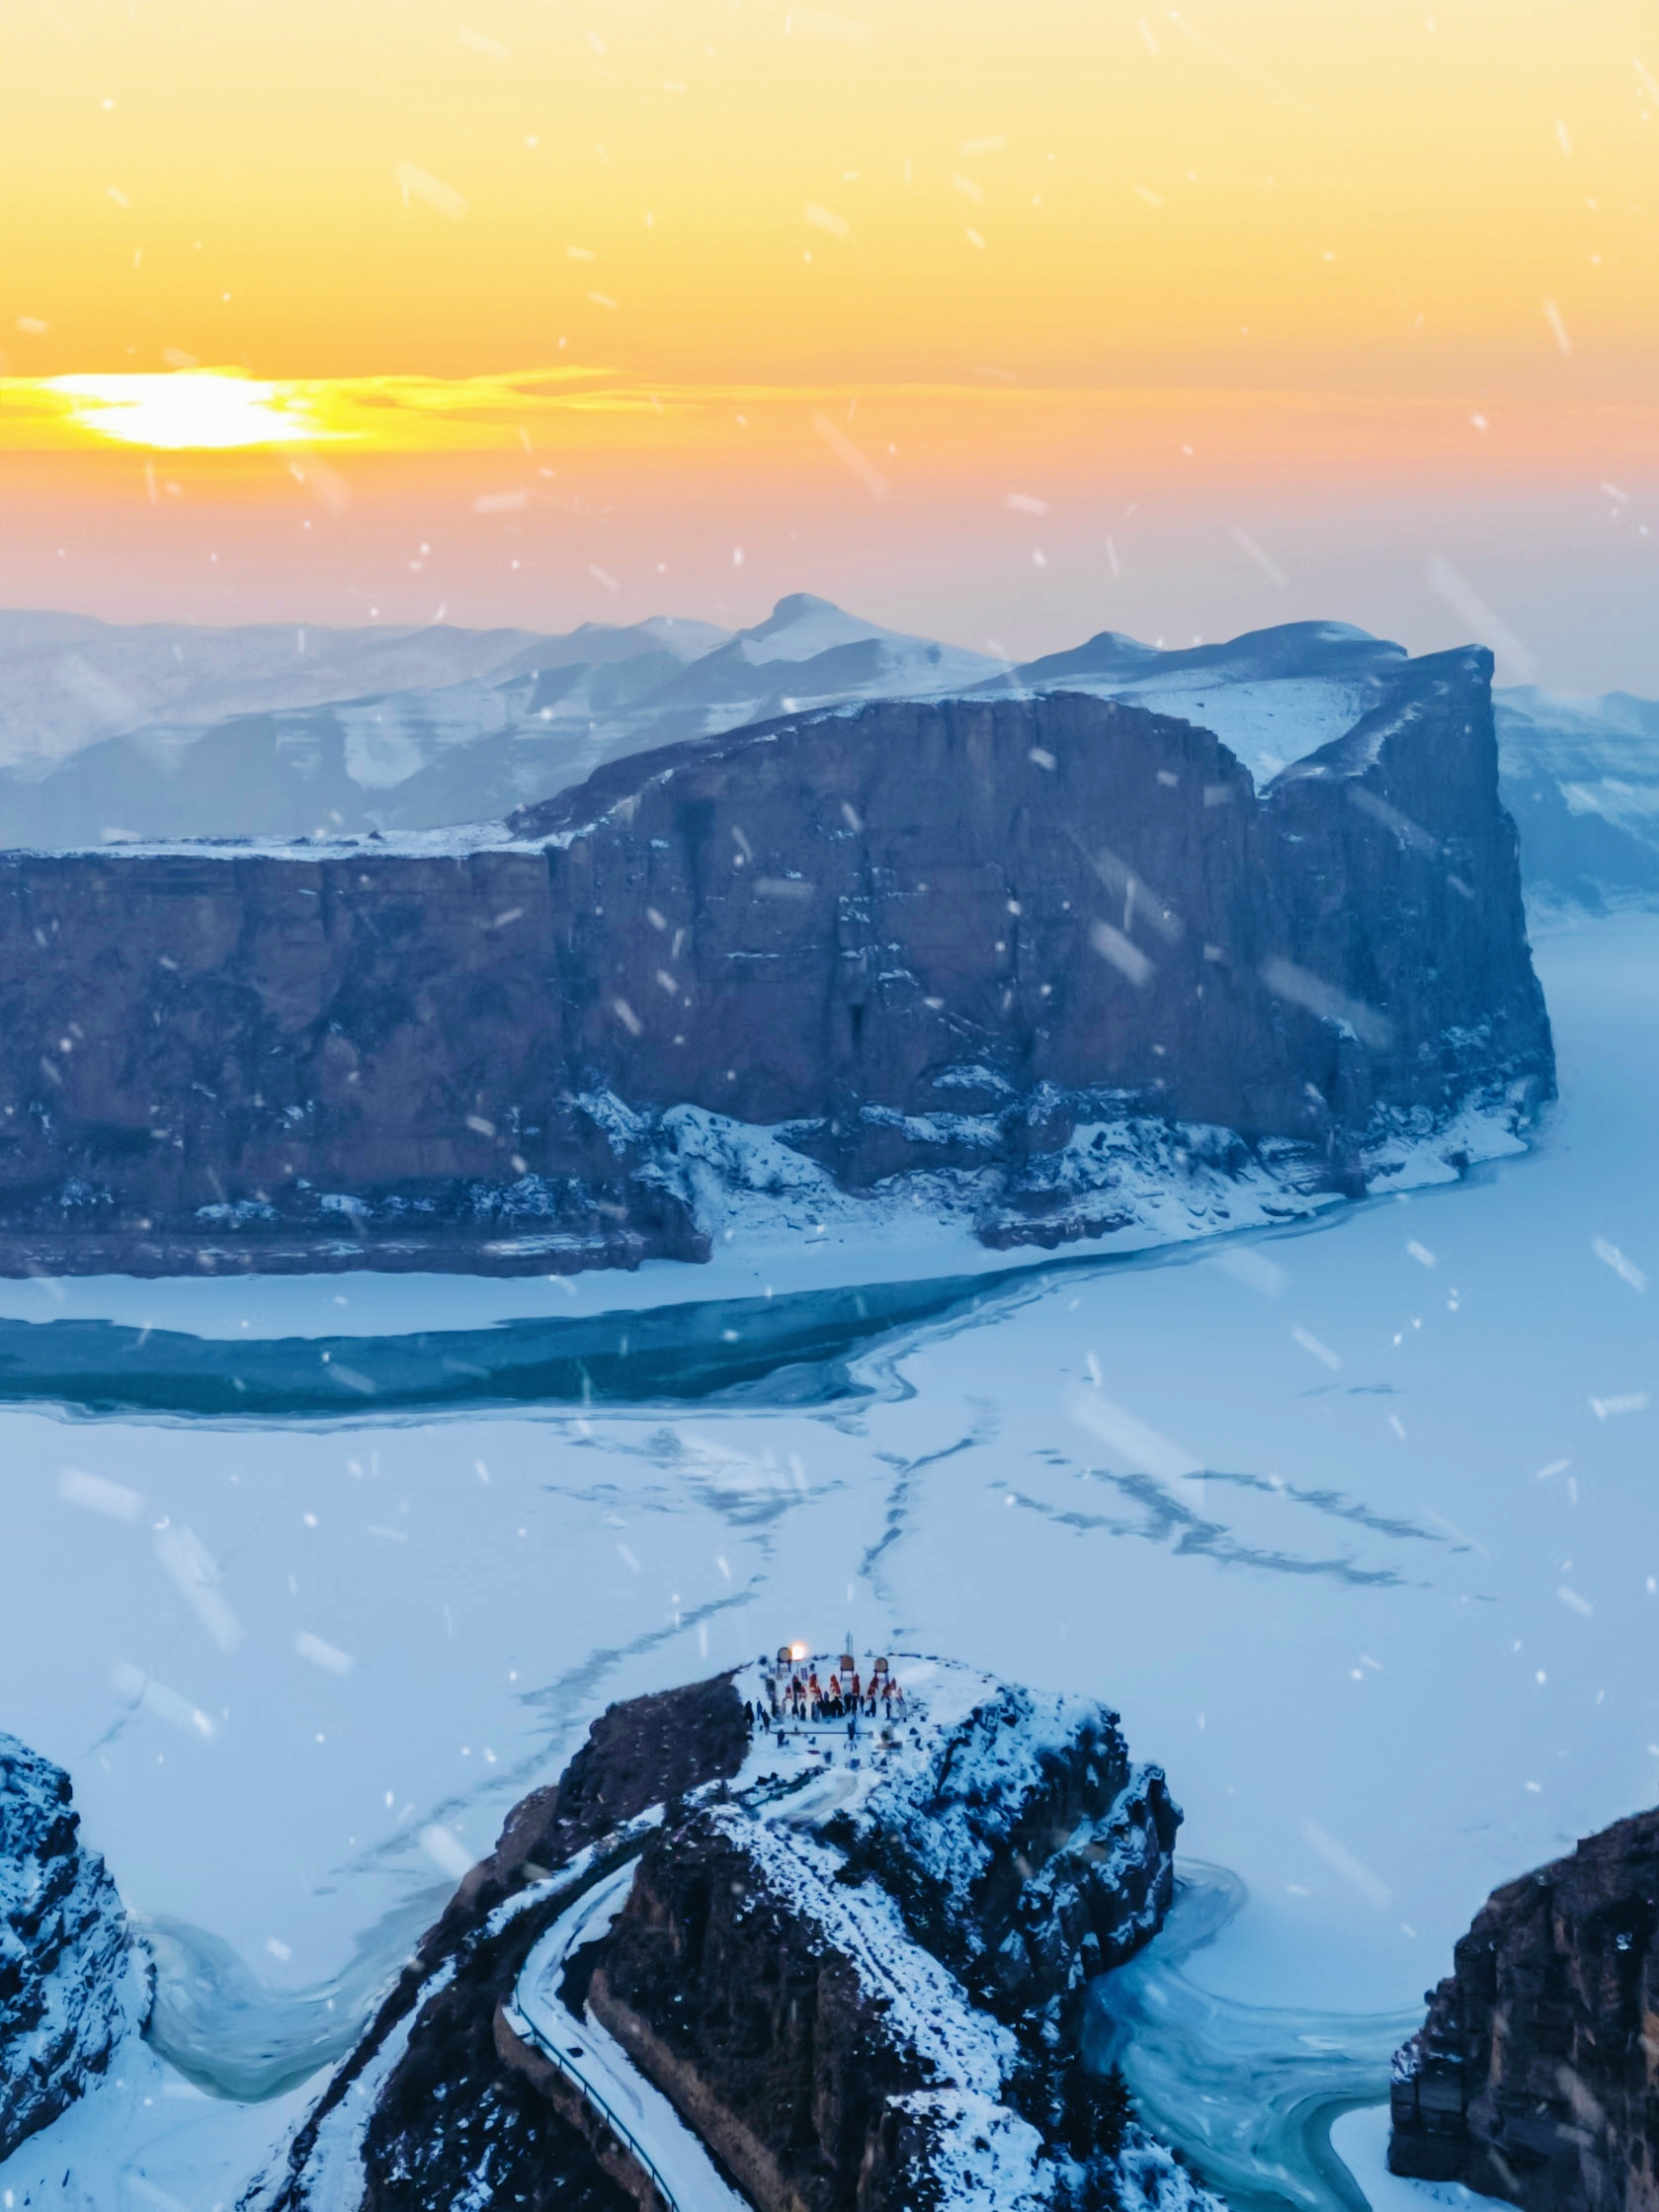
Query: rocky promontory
844	1956
1535	2076
1048	963
70	1985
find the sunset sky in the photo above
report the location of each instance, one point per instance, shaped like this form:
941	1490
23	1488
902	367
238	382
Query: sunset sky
1253	309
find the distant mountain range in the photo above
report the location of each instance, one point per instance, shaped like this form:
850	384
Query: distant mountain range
113	733
1580	776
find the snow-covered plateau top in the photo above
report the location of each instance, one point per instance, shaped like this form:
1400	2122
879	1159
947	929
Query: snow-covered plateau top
1270	724
944	1738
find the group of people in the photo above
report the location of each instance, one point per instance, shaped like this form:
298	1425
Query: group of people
847	1696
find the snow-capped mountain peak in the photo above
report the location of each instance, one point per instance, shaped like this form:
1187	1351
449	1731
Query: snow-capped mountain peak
802	626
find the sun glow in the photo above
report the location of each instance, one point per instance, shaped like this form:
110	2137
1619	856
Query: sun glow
198	409
224	411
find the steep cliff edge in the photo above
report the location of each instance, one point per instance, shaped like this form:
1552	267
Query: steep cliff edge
833	2066
757	1971
1053	953
425	2103
1536	2076
71	1985
851	1976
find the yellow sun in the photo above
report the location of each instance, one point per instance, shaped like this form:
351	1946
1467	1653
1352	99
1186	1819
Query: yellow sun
210	409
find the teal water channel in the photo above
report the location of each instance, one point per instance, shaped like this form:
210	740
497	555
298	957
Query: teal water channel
1245	2093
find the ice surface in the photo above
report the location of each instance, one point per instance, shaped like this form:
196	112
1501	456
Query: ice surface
149	2141
1344	1635
1360	2140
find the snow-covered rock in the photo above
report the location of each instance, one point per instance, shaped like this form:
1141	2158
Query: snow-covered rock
72	1985
1022	1844
1272	696
713	1922
110	734
1580	776
859	1964
68	682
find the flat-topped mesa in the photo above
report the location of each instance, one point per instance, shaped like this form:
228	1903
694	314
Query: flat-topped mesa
1055	949
918	909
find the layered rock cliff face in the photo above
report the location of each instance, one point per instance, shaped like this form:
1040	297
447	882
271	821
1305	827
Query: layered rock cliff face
866	2011
1536	2076
1038	949
808	2022
442	2105
70	1987
731	1999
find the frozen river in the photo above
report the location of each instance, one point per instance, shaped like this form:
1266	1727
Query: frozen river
1357	1525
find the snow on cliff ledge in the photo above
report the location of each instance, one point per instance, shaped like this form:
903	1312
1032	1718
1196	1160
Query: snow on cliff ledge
71	1988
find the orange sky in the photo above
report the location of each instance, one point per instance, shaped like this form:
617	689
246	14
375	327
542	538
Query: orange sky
619	261
1262	187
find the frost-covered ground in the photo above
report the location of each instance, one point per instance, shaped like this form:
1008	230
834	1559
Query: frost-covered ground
1356	1524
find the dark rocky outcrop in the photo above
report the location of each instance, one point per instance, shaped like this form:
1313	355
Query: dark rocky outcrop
451	2106
71	1985
767	2038
945	935
814	2044
830	2042
1026	1858
1536	2076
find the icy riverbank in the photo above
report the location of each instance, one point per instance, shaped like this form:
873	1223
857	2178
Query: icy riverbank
1347	1574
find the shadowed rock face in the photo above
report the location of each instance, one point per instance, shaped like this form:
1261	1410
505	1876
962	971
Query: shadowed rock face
915	934
871	902
449	2109
767	2036
1536	2076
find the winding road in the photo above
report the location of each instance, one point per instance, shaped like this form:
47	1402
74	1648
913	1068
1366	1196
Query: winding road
640	2116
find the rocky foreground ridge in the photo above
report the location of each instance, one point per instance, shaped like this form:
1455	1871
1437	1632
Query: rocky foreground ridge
851	1970
1535	2076
70	1985
1039	961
